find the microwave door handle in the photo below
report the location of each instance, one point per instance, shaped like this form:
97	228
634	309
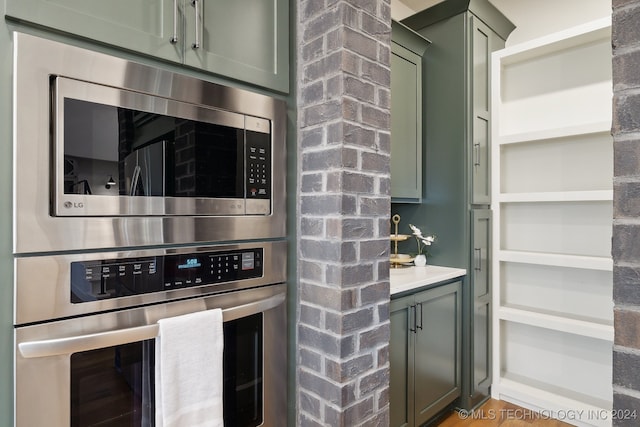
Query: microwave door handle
70	345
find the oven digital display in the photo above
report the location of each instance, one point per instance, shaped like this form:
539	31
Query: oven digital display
113	278
190	263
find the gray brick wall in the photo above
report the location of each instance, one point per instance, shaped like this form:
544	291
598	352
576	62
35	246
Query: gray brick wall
626	221
343	135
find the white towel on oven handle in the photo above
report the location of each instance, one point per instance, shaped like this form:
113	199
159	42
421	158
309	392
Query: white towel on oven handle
189	371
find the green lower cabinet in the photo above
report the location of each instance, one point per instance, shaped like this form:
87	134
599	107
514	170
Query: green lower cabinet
425	353
480	321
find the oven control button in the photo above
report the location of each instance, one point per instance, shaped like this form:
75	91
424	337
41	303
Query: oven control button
248	261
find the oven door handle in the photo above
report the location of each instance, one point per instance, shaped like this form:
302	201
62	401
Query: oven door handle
70	345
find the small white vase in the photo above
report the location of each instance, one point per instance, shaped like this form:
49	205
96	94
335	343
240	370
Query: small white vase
420	261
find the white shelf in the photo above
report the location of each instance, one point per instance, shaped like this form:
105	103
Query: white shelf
575	293
573	228
552	87
557	196
552	157
593	328
579	365
558	260
550	134
563	40
553	401
567	164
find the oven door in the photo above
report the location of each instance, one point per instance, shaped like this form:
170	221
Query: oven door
99	369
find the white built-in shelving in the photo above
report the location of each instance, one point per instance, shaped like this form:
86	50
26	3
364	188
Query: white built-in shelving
552	157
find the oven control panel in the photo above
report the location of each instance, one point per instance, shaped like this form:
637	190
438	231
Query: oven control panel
114	278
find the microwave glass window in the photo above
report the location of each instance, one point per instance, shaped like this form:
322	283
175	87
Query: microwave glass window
118	151
115	387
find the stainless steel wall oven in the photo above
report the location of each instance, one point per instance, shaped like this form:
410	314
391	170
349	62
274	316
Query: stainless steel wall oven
141	196
85	326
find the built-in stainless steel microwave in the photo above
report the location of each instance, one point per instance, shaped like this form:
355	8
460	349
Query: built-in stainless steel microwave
112	153
119	152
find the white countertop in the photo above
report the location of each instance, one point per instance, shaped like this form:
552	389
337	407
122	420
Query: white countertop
408	278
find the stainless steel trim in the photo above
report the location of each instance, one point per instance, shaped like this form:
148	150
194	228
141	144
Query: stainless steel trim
36	230
257	124
42	283
257	206
76	344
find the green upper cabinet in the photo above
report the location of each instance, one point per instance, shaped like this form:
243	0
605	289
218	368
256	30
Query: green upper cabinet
484	42
407	49
240	39
244	39
140	25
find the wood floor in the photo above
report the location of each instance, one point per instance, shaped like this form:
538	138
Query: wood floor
496	413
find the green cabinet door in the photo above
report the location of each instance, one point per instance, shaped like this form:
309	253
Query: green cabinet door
437	350
407	49
242	39
401	353
483	42
480	58
239	39
425	354
481	317
140	25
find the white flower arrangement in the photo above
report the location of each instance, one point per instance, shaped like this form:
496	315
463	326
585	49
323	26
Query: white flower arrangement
421	240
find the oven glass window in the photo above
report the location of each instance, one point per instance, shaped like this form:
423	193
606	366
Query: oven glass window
118	151
243	380
114	386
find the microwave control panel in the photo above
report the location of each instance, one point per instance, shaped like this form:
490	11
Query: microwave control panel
258	165
115	278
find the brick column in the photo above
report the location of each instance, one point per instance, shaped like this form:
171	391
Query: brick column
343	212
626	223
